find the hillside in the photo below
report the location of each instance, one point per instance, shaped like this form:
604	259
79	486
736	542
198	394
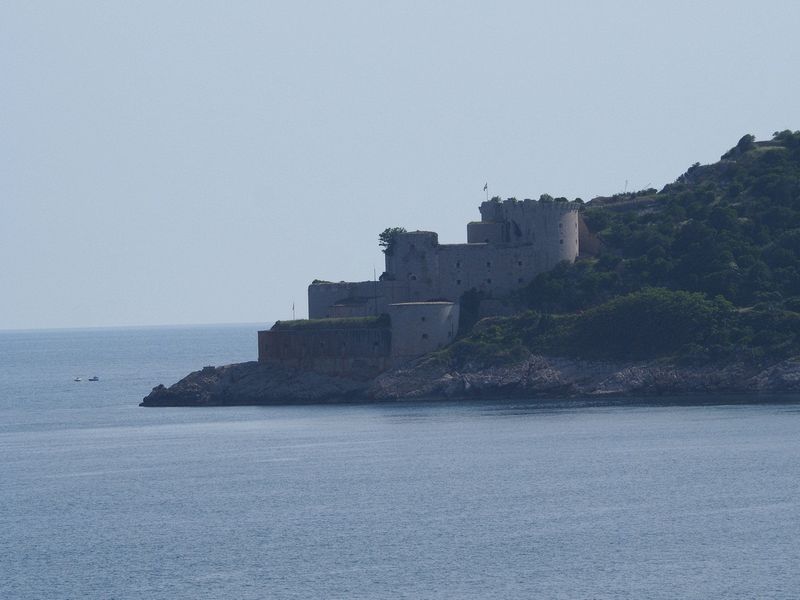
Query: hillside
706	270
694	289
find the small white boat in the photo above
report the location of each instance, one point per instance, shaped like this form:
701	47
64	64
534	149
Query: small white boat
95	378
77	379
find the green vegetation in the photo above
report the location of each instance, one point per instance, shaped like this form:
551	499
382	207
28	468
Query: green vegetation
646	324
707	269
342	323
652	323
469	310
386	238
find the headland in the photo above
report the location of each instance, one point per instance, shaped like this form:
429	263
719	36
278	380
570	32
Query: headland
694	289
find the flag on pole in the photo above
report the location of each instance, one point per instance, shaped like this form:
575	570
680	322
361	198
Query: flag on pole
485	186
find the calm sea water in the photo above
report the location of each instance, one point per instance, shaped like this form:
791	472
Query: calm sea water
102	499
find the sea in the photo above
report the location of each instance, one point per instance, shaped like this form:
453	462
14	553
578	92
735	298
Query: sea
103	499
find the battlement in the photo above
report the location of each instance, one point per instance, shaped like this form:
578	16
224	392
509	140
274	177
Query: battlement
512	243
516	222
500	211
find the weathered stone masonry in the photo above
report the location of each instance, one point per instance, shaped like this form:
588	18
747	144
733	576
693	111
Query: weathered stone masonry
347	347
340	351
420	290
512	243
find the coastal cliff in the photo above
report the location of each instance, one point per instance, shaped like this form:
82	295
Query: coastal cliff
536	376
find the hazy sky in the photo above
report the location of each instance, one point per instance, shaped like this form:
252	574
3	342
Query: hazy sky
201	162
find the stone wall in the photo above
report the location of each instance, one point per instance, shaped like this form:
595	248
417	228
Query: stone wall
524	239
362	298
322	296
349	348
481	232
414	260
491	269
534	237
360	352
421	327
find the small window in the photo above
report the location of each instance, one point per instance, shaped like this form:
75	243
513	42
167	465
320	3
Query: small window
488	264
458	282
560	241
519	263
458	264
423	319
486	240
561	226
488	281
424	336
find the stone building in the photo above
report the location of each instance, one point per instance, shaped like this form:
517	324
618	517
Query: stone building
361	346
365	327
512	243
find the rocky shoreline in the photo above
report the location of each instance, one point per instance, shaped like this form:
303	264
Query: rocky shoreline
252	383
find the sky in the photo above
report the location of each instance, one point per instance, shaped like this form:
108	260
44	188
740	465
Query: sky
170	162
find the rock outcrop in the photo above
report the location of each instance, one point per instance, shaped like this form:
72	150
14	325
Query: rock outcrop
541	376
534	377
255	383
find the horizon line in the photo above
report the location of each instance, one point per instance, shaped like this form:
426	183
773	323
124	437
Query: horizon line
152	326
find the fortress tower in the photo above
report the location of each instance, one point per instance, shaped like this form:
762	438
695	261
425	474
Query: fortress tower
414	308
512	243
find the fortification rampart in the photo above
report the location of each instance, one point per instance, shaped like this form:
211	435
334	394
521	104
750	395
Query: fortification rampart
424	281
512	244
421	327
502	255
359	298
361	347
341	352
538	222
418	295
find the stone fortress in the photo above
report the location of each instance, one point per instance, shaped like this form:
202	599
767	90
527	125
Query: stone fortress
366	327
